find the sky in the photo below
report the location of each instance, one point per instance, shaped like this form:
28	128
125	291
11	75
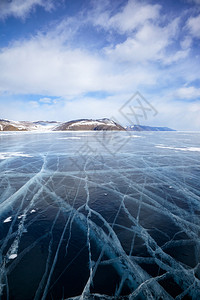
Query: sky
133	61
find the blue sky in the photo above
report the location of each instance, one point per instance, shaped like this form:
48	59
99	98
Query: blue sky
64	60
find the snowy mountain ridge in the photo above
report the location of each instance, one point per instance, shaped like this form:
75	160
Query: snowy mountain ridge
75	125
89	124
10	125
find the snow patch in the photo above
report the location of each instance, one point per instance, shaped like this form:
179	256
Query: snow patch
5	155
9	219
12	256
19	217
134	136
181	149
96	123
70	138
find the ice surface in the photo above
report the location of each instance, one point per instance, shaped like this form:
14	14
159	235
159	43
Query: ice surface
81	219
181	149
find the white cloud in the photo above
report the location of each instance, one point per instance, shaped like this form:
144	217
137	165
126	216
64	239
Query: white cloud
194	1
170	112
44	65
178	115
39	66
56	64
45	100
148	34
132	15
64	110
178	55
193	25
188	92
186	42
149	43
49	65
20	8
33	104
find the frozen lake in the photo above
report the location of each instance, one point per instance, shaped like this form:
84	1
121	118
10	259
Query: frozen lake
100	215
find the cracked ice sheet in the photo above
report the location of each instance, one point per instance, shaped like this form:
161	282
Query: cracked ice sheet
92	225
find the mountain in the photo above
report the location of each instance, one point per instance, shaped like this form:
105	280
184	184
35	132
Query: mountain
147	128
7	125
75	125
89	124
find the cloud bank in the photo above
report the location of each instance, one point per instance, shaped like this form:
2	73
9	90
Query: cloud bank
21	9
63	66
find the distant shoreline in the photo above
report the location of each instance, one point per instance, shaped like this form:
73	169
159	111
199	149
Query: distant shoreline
103	124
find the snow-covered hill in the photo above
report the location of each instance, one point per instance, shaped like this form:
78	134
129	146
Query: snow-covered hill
8	125
147	128
89	124
75	125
